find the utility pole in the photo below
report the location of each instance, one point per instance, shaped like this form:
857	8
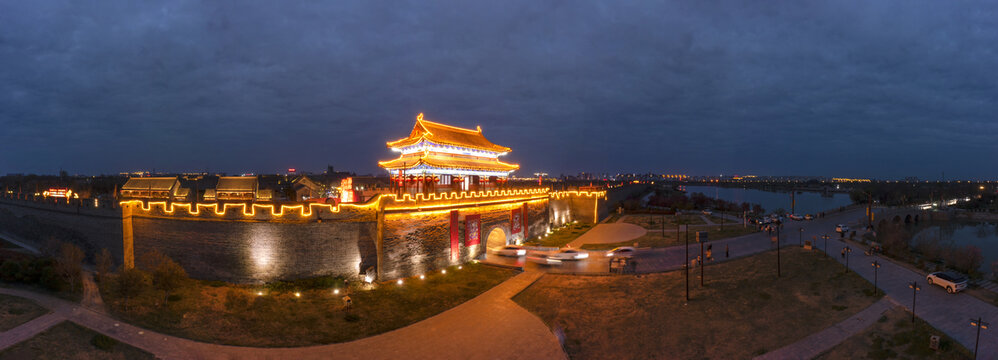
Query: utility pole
702	238
777	250
980	324
876	267
687	265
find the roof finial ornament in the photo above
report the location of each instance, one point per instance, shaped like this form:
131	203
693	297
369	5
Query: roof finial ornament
420	117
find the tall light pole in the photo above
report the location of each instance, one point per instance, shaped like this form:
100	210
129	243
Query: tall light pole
702	238
914	293
876	266
777	249
687	265
800	237
980	324
825	236
848	250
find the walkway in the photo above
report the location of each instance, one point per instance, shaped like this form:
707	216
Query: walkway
489	326
29	329
819	342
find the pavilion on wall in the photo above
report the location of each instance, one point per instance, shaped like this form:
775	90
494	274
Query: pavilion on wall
437	157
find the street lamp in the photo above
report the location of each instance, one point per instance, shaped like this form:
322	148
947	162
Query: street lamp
777	249
825	236
980	324
800	236
847	250
914	292
876	267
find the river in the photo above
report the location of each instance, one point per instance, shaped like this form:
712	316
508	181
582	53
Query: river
807	202
960	234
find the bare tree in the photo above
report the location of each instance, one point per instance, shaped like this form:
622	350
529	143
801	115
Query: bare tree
104	263
131	282
167	275
70	260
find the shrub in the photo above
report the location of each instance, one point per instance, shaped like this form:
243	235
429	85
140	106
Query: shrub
103	342
315	283
237	300
9	270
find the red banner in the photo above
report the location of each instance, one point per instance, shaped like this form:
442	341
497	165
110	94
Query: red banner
472	230
516	221
455	251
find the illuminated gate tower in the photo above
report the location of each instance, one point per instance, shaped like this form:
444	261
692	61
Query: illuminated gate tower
446	158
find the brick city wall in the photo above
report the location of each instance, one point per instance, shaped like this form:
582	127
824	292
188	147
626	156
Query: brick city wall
38	222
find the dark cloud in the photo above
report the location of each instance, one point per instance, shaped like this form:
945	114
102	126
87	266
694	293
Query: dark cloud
856	88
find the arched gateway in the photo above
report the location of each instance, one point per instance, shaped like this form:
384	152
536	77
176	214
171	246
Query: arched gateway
497	239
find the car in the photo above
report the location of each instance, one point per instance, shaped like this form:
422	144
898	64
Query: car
543	259
569	254
796	217
622	252
951	281
808	217
511	250
707	212
841	228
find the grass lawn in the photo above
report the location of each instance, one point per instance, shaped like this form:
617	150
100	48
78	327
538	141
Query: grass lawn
236	315
15	311
744	310
656	240
561	236
654	222
894	336
70	341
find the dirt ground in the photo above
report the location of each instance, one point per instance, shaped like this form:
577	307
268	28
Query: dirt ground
15	311
743	311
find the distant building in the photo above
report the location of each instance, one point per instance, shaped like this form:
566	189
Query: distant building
164	188
232	188
306	189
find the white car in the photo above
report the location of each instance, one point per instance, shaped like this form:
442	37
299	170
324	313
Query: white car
841	228
543	259
622	252
796	217
950	281
511	250
707	212
569	254
808	217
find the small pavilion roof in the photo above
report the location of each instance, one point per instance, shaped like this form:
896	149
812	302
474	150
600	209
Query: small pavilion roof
447	135
150	183
237	184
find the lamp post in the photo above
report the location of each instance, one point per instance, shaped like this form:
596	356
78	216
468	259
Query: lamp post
914	293
702	238
876	266
848	250
777	249
980	324
686	266
825	236
800	237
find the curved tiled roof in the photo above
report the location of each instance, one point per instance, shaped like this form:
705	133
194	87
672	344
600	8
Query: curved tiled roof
447	161
447	135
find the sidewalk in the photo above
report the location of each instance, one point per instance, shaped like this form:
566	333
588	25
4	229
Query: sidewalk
490	326
817	343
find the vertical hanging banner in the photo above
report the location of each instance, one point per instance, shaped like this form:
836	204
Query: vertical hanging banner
516	221
455	251
525	232
472	230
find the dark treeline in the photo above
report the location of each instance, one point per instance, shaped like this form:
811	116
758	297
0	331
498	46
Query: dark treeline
699	201
902	193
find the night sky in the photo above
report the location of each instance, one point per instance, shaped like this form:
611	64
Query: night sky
882	89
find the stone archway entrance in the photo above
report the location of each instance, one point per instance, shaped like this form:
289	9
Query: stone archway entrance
497	239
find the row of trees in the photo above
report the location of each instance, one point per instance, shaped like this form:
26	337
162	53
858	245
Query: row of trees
60	268
159	272
682	201
895	238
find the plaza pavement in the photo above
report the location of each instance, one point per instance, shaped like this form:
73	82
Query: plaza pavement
490	326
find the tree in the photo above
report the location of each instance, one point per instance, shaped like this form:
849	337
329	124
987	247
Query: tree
70	264
167	275
131	282
104	263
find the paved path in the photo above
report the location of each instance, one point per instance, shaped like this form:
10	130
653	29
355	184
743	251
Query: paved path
608	234
91	294
819	342
29	329
490	326
17	240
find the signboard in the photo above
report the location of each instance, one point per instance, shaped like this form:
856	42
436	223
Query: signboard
291	170
472	230
701	236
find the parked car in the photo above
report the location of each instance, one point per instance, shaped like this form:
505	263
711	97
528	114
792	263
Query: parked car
796	217
707	212
543	259
569	254
952	282
841	228
622	252
511	250
808	217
